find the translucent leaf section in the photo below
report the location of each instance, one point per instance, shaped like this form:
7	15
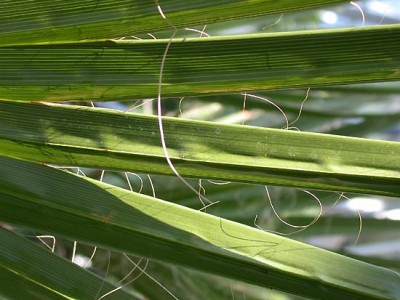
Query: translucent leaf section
101	138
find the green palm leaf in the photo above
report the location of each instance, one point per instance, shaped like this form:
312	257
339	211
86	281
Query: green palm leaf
46	20
70	135
28	271
116	70
70	51
99	214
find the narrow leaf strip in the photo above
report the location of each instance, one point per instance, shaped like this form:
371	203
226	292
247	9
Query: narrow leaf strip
101	138
48	20
116	70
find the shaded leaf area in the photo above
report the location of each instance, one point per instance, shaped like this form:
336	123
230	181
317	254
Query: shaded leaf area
28	271
117	70
101	138
46	20
99	214
181	281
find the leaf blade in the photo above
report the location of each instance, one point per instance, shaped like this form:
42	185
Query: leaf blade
36	273
118	70
101	138
46	20
132	223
